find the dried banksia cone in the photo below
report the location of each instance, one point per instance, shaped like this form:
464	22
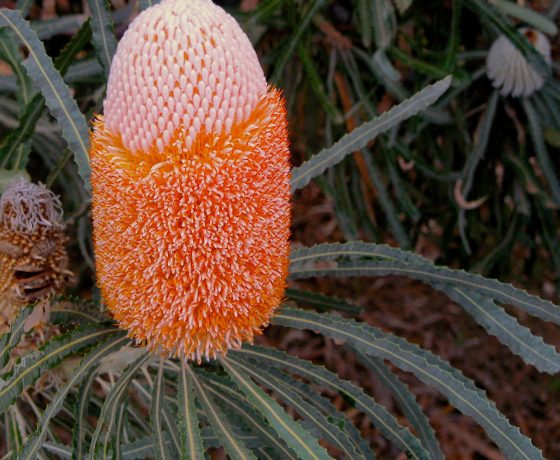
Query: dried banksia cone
508	69
33	258
190	183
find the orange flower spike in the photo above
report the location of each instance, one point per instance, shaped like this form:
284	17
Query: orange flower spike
190	184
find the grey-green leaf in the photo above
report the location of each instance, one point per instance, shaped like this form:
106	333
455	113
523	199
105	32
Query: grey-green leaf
428	368
57	96
107	345
103	38
288	429
191	440
359	138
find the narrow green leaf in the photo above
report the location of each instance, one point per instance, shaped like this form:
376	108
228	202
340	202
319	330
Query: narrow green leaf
364	21
407	403
359	138
541	151
233	445
80	417
100	441
103	38
236	403
294	39
11	338
474	158
288	429
33	365
519	339
321	301
191	441
74	46
526	15
10	53
282	385
378	415
428	368
24	131
57	97
412	266
160	448
91	360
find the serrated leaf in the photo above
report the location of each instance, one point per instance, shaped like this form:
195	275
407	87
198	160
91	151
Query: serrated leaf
76	44
103	38
428	368
519	339
290	47
100	441
33	365
34	443
80	417
541	151
359	138
282	386
233	445
31	114
57	96
191	440
11	55
407	403
412	266
288	429
321	301
378	415
11	338
160	448
235	401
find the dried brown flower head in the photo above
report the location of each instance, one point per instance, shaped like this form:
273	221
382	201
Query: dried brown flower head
33	258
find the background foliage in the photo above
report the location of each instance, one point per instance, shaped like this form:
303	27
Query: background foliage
413	181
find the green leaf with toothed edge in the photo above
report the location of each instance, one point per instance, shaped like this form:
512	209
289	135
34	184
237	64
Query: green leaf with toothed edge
191	440
392	261
428	368
11	338
100	441
33	365
497	322
360	137
103	38
235	402
162	452
291	432
378	415
233	445
314	420
407	403
80	417
63	107
91	360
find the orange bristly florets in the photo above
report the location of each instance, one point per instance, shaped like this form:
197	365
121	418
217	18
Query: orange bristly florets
190	184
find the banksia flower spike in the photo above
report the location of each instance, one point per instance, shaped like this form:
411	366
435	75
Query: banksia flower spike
190	184
33	258
508	69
